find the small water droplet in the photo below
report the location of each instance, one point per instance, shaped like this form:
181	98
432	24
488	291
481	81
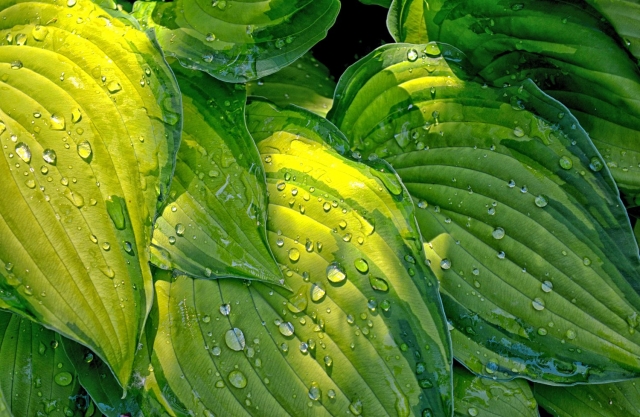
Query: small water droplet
361	265
57	122
378	284
23	151
314	392
237	379
498	233
114	87
356	407
63	379
84	150
445	264
538	304
595	164
180	229
286	328
586	261
547	286
49	156
225	309
518	132
317	292
571	334
541	200
473	412
412	55
294	255
565	162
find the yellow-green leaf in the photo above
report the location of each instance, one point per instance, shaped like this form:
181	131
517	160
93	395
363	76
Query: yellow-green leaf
89	126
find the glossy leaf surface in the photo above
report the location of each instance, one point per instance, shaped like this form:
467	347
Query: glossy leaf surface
624	15
361	331
483	397
305	83
554	43
237	41
215	222
90	125
608	400
37	378
524	228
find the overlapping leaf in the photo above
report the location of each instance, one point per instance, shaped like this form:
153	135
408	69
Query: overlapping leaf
215	222
407	20
624	15
90	123
37	379
237	41
361	331
143	396
565	47
478	396
538	265
609	400
305	83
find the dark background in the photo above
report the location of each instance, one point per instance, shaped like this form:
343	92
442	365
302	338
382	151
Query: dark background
359	30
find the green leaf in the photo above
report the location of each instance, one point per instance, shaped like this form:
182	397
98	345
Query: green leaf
215	222
524	228
362	329
478	396
90	123
143	396
305	83
36	378
383	3
407	19
609	400
554	43
624	15
238	41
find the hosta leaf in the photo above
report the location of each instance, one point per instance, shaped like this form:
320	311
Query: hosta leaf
36	378
482	397
383	3
407	21
143	394
523	224
361	331
624	15
609	400
214	224
89	126
238	41
305	83
554	43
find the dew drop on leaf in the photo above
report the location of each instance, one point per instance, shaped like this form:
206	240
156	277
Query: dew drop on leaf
235	339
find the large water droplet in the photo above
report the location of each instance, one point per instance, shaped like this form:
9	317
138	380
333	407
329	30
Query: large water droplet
23	151
498	233
113	87
541	200
84	150
538	304
565	162
445	264
412	55
49	156
361	265
547	286
378	284
314	392
39	33
180	229
225	309
237	379
235	339
317	292
57	122
294	255
335	273
63	379
286	328
596	164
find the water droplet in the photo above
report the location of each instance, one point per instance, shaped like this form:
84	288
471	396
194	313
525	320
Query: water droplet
180	229
378	284
84	150
210	37
49	156
284	347
422	204
518	132
280	242
328	361
335	273
286	328
356	407
541	200
445	264
235	339
331	394
237	379
206	319
225	309
547	286
570	334
595	164
57	122
498	233
63	379
565	162
23	151
71	3
113	87
586	261
501	255
412	55
317	292
16	65
314	391
172	240
294	255
473	412
361	265
39	33
517	6
538	304
542	331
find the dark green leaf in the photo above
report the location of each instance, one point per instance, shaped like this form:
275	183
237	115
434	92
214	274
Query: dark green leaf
36	379
538	265
89	125
609	400
215	222
624	15
238	41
